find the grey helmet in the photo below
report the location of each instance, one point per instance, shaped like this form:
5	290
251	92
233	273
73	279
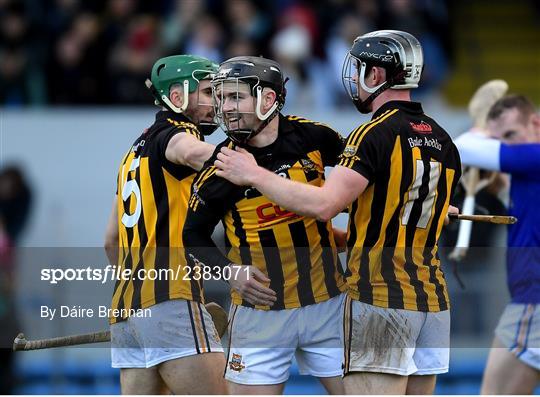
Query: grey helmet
399	53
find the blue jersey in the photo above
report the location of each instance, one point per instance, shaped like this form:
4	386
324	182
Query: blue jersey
523	256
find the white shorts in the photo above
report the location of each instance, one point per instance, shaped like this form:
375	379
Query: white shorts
263	342
519	331
395	341
176	328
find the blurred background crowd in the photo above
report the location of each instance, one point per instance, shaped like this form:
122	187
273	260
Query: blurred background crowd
74	52
95	56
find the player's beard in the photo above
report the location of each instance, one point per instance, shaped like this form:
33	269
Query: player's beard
207	123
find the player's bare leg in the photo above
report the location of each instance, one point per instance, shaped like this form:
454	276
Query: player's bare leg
141	381
506	374
421	384
237	388
333	385
198	374
374	383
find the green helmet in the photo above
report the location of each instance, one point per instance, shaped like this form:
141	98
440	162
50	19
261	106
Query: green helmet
187	70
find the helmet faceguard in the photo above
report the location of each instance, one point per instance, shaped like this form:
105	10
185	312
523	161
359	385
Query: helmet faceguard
184	70
399	53
242	76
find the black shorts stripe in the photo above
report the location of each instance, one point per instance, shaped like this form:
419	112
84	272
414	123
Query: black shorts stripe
204	327
193	329
231	324
347	333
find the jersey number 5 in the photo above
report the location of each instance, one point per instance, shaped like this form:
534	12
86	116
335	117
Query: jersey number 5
414	193
131	187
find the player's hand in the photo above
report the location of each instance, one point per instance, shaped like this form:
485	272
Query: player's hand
238	166
451	210
248	283
340	237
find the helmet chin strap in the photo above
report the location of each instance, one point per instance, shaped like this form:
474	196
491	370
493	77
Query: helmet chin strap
363	106
207	128
261	116
362	78
265	118
165	99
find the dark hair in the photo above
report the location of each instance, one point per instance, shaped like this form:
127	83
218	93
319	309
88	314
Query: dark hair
519	102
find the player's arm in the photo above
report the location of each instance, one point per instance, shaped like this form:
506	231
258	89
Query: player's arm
323	203
111	234
186	149
479	151
491	154
203	215
521	159
197	236
331	146
358	164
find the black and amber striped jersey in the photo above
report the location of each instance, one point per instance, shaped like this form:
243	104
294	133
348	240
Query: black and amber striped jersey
152	197
412	167
298	254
